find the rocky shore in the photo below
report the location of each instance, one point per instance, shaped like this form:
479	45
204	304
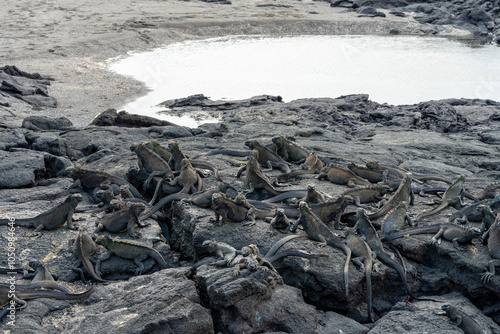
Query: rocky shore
47	125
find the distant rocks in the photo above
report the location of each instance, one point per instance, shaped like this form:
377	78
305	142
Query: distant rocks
111	117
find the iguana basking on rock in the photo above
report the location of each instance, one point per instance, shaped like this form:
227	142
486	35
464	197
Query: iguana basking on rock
342	176
42	278
90	179
105	196
490	191
152	163
402	194
241	200
163	152
201	199
312	165
268	158
82	247
188	179
290	150
52	219
286	195
473	212
226	209
362	257
255	178
370	174
331	211
279	221
122	220
399	173
493	249
365	229
462	320
452	196
224	252
23	292
318	231
451	232
367	194
396	220
314	197
128	249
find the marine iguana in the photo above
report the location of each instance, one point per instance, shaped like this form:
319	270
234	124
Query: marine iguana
51	219
331	210
152	163
312	165
128	249
318	231
402	194
290	150
493	249
452	196
473	212
268	158
367	194
399	173
342	176
226	209
82	247
462	320
280	221
314	197
188	178
362	258
105	196
286	195
255	178
241	200
370	174
163	152
365	228
490	191
42	278
224	252
451	232
124	219
396	220
89	178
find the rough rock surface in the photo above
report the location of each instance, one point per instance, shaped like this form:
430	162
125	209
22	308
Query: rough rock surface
438	137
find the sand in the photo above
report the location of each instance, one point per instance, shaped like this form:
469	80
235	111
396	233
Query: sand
74	41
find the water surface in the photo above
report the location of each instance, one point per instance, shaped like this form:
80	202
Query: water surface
391	69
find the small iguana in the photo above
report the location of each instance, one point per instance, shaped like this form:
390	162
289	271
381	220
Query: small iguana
152	163
452	196
52	219
372	175
312	165
255	178
188	178
314	197
399	173
42	278
290	150
331	211
82	247
365	229
225	209
342	176
128	249
318	231
280	221
396	220
367	194
268	158
90	179
493	249
363	259
462	320
224	252
122	220
451	232
490	191
163	152
402	194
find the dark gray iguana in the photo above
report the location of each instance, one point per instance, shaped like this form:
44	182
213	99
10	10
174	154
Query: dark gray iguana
365	228
402	194
268	158
52	219
128	249
396	220
290	150
452	196
152	163
42	278
122	220
331	211
493	249
462	320
82	247
342	176
318	231
225	209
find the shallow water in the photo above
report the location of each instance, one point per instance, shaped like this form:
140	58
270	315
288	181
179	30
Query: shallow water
391	69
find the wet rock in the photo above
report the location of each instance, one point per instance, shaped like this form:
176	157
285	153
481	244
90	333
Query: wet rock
37	123
201	101
111	117
20	168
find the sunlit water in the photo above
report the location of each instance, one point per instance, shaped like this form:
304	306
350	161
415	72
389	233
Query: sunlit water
394	70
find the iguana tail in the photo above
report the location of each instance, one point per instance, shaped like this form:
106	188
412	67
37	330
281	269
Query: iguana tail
161	203
348	253
27	222
159	259
32	293
386	259
280	243
281	255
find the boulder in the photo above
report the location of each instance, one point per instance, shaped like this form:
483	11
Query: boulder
20	168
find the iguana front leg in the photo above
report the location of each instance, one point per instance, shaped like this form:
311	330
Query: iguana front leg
437	237
323	242
69	220
98	263
138	261
491	272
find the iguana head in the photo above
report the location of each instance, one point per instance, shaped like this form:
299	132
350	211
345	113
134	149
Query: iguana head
303	205
447	308
224	187
360	214
240	199
185	163
76	198
209	243
311	187
137	208
216	198
249	143
173	146
254	154
278	140
103	240
280	212
134	146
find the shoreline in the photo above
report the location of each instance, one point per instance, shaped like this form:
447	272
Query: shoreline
83	85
